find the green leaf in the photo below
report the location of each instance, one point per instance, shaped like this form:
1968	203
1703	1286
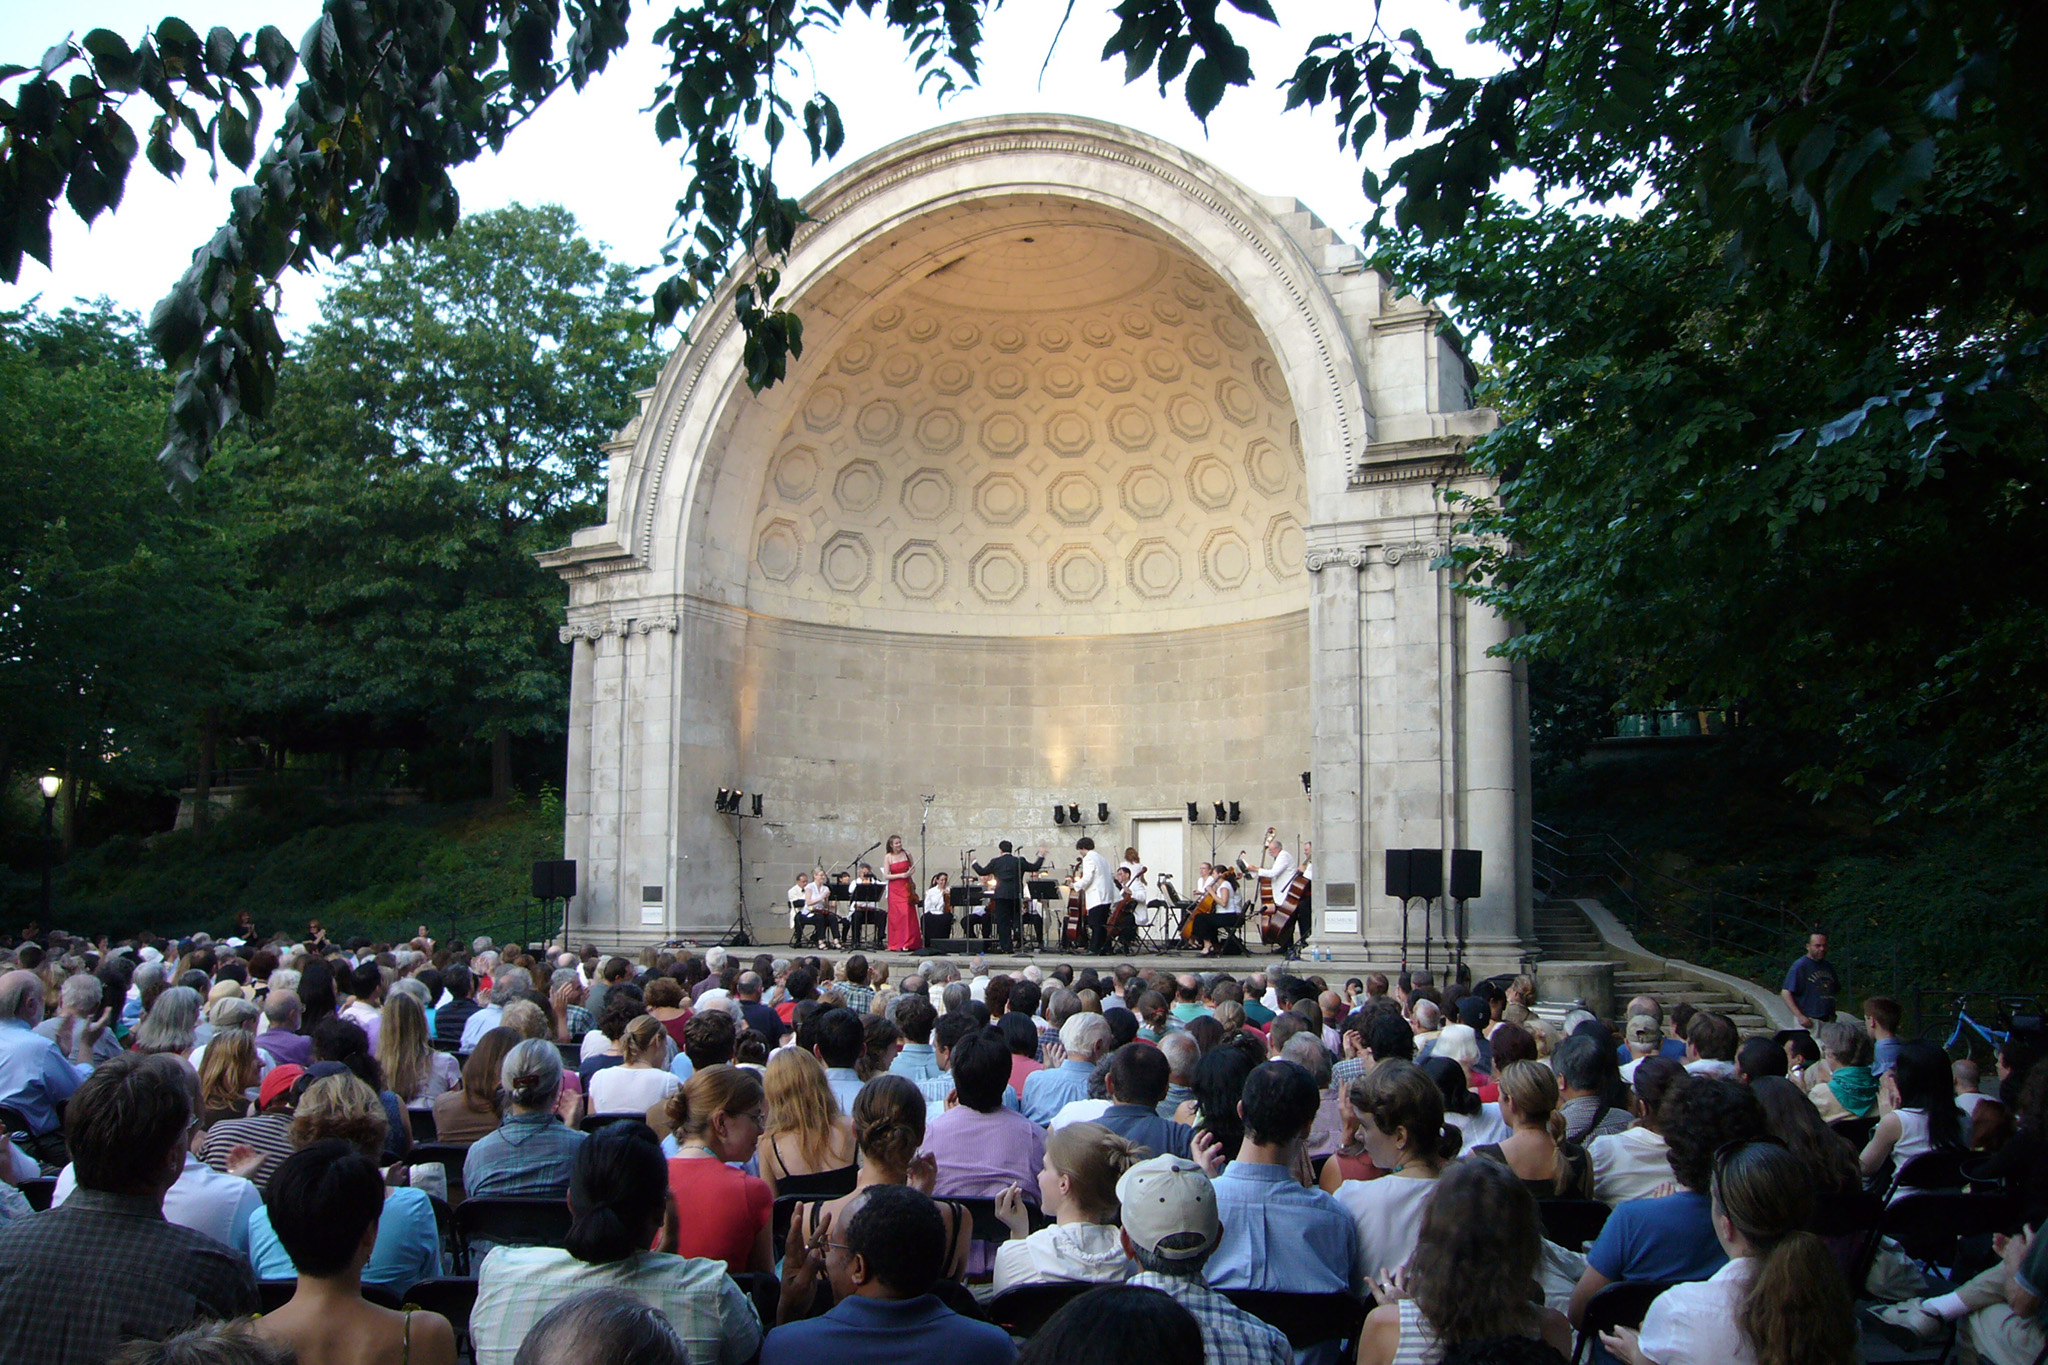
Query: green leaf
1205	86
275	54
237	137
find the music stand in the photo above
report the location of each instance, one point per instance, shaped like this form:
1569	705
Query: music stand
867	898
964	899
1041	890
837	894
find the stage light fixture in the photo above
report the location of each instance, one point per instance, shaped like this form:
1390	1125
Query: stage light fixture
1059	815
1194	814
1220	815
1305	781
757	803
1102	812
725	798
1073	813
1236	814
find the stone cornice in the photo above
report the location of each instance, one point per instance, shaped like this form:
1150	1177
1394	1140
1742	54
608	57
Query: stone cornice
597	628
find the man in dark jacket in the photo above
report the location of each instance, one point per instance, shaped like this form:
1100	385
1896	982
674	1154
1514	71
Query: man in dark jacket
1008	870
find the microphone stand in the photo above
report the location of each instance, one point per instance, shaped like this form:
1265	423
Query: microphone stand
922	816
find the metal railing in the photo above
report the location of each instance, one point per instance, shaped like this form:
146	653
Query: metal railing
1699	922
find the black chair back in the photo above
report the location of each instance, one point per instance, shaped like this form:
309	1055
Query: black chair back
1023	1309
1933	1226
1856	1132
275	1294
1937	1170
514	1222
592	1122
1623	1304
764	1290
454	1298
572	1056
1572	1223
40	1191
12	1122
447	1044
450	1155
1847	1220
819	1184
422	1121
982	1210
1306	1318
779	1217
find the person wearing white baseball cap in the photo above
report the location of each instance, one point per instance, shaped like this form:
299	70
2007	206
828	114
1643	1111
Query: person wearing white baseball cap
1170	1227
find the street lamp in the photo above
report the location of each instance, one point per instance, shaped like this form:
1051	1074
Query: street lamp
51	784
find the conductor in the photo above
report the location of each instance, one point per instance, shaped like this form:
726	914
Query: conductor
1008	870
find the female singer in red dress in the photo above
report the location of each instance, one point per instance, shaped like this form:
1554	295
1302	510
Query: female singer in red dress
905	935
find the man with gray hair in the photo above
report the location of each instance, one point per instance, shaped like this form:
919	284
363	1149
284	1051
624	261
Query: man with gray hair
34	1076
1085	1038
956	997
1170	1228
1181	1052
78	1000
281	1039
602	1324
1581	1068
507	986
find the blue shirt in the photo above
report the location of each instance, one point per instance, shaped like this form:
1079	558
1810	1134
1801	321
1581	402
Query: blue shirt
1144	1126
861	1331
846	1084
1659	1239
1885	1055
34	1076
1279	1234
408	1246
916	1062
477	1025
528	1156
940	1086
1048	1091
1813	986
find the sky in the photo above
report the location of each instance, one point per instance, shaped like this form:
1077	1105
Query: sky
595	153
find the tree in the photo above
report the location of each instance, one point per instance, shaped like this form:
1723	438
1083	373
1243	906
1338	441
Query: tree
438	426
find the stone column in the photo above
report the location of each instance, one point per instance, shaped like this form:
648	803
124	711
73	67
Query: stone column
1336	674
1491	783
576	784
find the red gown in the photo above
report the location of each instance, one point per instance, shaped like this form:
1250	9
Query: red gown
905	935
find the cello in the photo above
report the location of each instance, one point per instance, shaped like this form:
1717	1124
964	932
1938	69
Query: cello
1126	904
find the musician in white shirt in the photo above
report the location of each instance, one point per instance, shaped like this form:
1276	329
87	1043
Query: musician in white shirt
936	910
1098	892
818	902
799	909
1278	875
1135	885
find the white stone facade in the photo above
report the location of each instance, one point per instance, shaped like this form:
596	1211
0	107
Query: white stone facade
1100	478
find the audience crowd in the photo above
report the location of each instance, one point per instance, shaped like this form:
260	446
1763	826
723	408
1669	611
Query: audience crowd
261	1151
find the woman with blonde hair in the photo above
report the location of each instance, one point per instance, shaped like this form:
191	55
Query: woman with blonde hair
716	1118
643	1080
806	1134
338	1107
1534	1148
1083	1162
226	1075
413	1070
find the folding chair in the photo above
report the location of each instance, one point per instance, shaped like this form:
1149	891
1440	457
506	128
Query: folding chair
1306	1318
819	1185
1572	1223
453	1297
1623	1304
422	1120
1022	1310
512	1222
450	1155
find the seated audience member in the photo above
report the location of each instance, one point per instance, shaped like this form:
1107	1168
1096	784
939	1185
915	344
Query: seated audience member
1760	1057
1350	1161
1022	1036
280	1039
1278	1232
1830	1162
78	1279
1881	1017
1636	1162
35	1077
1326	1134
1710	1044
840	1040
709	1039
416	1073
882	1256
1475	1119
806	1132
620	1206
1170	1227
508	985
1845	1087
603	1325
980	1148
1077	1189
881	1040
1643	1036
1551	1169
716	1119
1117	1325
1472	1276
210	1343
452	1011
1219	1089
1592	1098
171	1026
1780	1297
1182	1053
1086	1040
528	1155
337	1107
888	1130
642	1078
665	1002
267	1132
1673	1238
1401	1124
466	1114
1137	1081
205	1200
79	1004
1924	1115
918	1059
326	1206
227	1073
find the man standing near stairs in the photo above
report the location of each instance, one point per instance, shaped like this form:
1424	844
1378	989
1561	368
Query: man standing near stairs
1810	985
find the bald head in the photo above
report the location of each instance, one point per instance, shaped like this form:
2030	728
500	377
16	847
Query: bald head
1644	1004
21	997
282	1009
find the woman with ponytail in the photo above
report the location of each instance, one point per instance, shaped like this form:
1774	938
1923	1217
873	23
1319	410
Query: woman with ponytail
1083	1162
1780	1300
1401	1120
717	1118
530	1154
643	1080
888	1130
619	1206
1534	1148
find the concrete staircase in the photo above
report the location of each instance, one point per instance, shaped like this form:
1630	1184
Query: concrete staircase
1563	931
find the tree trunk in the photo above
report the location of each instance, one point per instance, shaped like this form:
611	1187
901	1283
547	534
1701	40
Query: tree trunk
202	789
501	766
67	811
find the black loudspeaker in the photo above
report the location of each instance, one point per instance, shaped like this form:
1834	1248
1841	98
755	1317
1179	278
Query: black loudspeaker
1425	873
1398	873
554	880
1464	874
963	947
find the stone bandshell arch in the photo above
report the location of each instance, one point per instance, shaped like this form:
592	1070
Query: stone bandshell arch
1411	733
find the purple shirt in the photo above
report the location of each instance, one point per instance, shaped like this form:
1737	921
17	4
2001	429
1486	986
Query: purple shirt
984	1154
295	1048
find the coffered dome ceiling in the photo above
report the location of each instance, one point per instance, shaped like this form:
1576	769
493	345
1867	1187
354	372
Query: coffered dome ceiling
1066	429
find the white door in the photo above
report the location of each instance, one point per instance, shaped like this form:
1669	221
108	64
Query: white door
1163	847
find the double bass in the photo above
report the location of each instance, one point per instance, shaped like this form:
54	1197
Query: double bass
1268	933
1074	929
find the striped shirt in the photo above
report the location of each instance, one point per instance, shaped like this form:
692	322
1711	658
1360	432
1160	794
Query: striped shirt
516	1286
270	1134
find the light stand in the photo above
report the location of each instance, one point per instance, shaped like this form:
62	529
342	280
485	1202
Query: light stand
922	816
741	934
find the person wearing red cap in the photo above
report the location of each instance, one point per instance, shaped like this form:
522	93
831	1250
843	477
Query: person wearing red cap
265	1137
